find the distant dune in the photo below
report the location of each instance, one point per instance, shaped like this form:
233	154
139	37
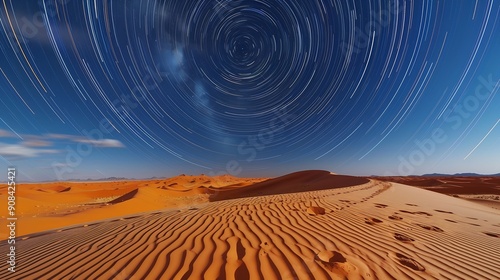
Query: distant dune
302	181
460	175
484	190
451	184
306	225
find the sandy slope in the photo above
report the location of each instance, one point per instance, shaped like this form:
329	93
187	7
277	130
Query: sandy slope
371	231
479	189
45	206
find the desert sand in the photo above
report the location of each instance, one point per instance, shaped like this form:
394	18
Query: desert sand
306	225
480	189
44	206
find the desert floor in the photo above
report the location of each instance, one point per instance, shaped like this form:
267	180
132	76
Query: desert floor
306	225
480	189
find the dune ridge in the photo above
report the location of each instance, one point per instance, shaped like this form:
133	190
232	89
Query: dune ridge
302	181
431	236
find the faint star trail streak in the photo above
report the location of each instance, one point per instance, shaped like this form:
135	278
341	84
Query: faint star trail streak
470	153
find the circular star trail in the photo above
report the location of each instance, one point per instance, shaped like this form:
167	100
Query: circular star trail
256	84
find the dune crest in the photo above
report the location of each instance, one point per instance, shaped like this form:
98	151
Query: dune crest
302	181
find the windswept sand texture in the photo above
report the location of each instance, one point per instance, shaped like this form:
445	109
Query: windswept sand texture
45	206
484	190
372	230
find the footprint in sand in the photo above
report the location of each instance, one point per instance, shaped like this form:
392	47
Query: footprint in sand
442	211
476	225
423	213
379	205
403	238
433	228
331	257
409	262
416	213
372	221
315	210
396	218
497	235
335	262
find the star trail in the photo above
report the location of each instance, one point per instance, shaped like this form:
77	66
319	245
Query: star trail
94	89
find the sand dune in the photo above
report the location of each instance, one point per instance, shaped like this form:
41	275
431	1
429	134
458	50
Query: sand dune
484	190
55	189
374	230
302	181
451	185
45	206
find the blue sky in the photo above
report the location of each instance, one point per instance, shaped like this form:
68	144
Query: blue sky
251	88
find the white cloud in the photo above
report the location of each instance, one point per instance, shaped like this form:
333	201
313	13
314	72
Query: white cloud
103	143
36	146
19	150
5	133
59	136
36	143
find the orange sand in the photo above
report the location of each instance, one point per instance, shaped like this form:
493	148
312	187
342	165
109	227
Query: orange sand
356	229
45	206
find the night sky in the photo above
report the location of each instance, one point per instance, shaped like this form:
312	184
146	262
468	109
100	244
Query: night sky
143	88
